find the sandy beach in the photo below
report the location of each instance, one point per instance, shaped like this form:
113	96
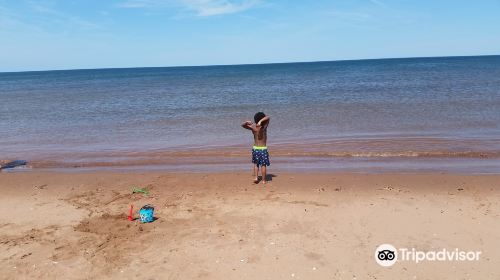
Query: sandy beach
56	225
377	123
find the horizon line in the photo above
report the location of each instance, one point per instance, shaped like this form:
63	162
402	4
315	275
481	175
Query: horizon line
244	64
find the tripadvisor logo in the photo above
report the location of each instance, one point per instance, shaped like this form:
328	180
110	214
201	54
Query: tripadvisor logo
387	255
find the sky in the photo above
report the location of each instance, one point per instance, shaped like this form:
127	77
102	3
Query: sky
78	34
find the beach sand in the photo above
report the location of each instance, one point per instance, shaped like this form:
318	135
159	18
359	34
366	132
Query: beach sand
56	225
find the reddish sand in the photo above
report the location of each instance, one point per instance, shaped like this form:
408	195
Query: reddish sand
221	226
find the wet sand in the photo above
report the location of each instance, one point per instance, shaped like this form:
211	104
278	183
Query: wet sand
370	147
56	225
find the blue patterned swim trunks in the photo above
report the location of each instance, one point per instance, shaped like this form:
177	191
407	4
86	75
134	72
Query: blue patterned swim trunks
260	156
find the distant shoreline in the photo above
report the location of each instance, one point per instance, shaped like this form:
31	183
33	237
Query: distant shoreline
247	64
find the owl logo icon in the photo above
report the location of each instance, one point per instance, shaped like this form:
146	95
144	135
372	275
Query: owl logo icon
386	255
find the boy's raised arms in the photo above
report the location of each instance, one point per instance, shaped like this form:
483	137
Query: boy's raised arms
264	121
247	125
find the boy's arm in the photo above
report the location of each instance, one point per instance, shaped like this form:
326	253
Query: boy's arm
247	125
264	121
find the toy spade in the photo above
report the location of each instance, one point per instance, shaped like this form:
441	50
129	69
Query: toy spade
130	217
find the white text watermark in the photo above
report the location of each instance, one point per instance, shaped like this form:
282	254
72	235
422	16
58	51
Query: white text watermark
388	255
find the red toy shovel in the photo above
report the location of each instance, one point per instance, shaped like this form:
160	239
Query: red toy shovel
130	217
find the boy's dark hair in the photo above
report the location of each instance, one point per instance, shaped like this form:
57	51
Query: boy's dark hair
259	116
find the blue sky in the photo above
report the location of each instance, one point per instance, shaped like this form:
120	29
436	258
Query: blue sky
71	34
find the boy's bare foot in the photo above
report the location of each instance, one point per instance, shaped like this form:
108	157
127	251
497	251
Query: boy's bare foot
264	182
256	180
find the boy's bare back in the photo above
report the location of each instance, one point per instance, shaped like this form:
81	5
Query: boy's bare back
260	134
259	131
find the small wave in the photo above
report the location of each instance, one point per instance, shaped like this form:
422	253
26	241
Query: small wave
229	156
399	154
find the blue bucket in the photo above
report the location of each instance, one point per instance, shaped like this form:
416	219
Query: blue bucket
147	213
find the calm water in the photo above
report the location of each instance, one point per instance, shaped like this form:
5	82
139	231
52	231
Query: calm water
374	110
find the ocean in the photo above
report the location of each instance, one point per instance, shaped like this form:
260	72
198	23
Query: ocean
385	115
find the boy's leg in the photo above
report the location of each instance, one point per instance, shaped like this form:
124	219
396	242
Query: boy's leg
264	173
256	173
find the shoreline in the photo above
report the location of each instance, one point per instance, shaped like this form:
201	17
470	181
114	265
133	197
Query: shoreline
371	155
245	168
222	226
467	166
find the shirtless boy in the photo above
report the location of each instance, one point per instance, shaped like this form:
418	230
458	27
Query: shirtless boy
260	155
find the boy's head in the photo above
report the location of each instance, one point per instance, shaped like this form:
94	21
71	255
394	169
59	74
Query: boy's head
259	116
